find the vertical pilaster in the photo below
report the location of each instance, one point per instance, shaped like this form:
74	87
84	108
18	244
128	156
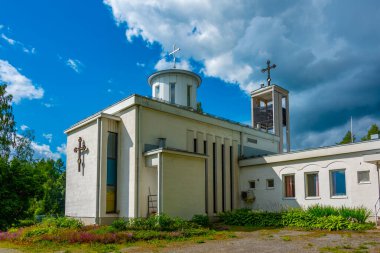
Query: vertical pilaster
218	141
210	186
227	175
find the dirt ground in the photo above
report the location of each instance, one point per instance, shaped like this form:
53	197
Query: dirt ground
281	241
267	240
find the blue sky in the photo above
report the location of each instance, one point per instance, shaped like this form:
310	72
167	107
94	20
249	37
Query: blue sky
64	60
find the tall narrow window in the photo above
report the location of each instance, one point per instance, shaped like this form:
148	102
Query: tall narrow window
205	151
157	91
189	95
172	93
214	176
312	185
111	172
223	179
195	146
289	186
338	182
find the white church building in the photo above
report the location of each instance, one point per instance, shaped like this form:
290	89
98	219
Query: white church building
144	156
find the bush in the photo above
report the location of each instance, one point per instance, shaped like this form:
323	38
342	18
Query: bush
246	217
201	220
314	217
62	222
160	222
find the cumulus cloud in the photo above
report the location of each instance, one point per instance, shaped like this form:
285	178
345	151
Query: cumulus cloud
164	64
19	86
330	64
45	151
48	137
75	65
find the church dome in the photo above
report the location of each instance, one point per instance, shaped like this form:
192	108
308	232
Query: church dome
176	86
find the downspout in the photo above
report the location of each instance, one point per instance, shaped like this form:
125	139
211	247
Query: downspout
99	122
378	177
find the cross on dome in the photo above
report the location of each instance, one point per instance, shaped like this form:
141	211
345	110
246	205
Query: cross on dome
175	50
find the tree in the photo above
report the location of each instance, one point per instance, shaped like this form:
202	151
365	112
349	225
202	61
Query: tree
7	123
347	138
199	107
23	146
374	129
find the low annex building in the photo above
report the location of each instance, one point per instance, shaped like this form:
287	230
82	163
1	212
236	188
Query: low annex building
143	156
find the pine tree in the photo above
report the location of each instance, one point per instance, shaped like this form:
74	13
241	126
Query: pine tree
374	129
347	138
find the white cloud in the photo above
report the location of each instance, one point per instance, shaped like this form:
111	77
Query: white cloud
18	85
48	137
109	90
44	151
24	127
12	42
139	64
47	105
164	64
62	149
75	65
9	40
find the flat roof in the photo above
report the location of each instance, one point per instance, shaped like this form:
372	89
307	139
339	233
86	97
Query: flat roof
371	145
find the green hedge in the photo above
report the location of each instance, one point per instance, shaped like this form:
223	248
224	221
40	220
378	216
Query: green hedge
315	217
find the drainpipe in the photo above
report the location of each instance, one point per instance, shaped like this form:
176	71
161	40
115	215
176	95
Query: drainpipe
378	177
97	215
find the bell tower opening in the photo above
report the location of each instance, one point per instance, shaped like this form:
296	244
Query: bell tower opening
270	110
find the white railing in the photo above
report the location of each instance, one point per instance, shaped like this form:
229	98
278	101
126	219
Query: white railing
377	210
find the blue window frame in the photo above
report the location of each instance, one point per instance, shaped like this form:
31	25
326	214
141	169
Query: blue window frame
338	182
111	172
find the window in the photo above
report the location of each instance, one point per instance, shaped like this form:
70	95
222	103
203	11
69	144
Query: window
189	95
312	185
338	182
270	183
363	177
111	172
157	91
172	93
205	147
195	144
289	186
252	184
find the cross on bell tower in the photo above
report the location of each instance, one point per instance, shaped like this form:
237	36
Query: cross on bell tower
270	110
267	69
175	50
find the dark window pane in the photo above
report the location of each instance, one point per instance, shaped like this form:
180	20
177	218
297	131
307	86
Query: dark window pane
338	183
112	145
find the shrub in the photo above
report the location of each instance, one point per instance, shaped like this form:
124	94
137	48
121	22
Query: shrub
201	220
246	217
62	222
120	224
314	217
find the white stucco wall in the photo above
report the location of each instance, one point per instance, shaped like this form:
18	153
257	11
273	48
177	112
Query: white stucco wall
183	186
358	194
81	186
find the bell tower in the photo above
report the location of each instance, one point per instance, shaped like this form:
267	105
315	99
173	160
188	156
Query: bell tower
270	110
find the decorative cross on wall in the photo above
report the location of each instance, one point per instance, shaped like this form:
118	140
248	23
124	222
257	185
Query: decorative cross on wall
80	149
175	50
267	69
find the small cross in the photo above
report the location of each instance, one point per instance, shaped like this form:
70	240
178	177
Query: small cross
175	50
267	69
81	148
